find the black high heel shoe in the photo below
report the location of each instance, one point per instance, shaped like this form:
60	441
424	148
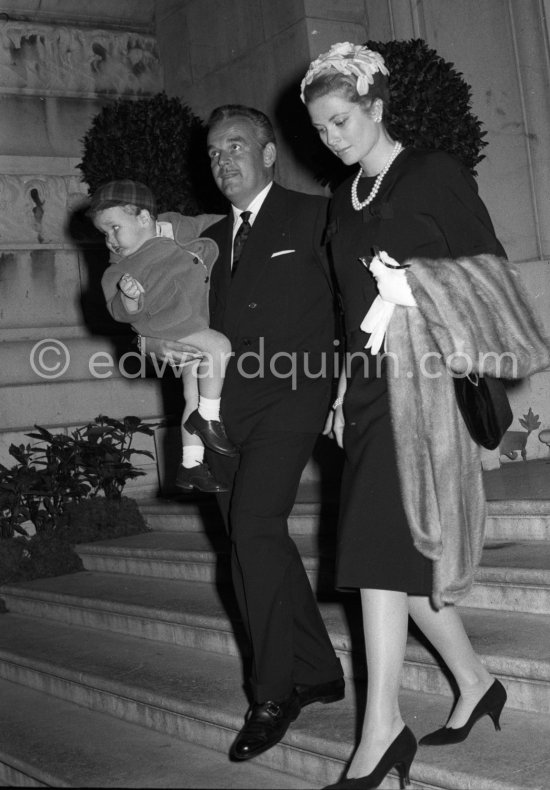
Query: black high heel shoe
491	704
399	754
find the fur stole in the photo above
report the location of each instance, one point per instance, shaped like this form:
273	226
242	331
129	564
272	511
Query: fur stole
472	312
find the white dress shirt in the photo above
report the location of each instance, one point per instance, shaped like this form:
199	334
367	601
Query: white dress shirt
254	206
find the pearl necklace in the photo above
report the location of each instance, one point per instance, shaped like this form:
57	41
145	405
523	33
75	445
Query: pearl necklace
355	202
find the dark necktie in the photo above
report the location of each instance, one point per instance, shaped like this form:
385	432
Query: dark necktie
240	239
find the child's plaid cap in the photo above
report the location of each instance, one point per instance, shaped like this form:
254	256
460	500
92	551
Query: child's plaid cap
121	193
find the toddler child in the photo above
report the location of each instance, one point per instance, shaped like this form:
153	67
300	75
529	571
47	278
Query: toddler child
157	281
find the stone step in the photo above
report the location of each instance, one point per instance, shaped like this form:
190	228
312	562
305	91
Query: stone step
196	697
50	742
514	646
520	519
512	576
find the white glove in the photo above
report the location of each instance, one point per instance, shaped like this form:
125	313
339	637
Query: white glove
376	322
391	280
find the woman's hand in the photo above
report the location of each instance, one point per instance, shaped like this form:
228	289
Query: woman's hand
376	323
391	280
334	425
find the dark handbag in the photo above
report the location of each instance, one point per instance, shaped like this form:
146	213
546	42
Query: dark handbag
484	405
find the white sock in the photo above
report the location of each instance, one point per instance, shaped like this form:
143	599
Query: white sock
192	455
209	408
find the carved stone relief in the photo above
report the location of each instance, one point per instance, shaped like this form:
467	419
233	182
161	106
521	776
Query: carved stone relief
35	210
39	59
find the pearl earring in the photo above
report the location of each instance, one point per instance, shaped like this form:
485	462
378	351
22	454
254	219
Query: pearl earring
377	117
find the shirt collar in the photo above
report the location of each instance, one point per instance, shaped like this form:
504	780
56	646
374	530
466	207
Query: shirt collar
254	206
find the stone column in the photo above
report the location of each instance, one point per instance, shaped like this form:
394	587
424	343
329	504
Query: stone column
246	52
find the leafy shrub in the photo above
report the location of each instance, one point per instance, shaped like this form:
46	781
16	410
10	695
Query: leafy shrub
93	459
104	451
40	556
101	519
48	554
16	492
11	559
37	488
69	489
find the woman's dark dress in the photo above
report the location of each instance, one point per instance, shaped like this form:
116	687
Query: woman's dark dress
427	206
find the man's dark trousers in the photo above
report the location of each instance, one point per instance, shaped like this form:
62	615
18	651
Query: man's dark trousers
279	302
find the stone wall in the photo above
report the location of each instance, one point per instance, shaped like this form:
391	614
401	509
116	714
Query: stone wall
257	52
60	63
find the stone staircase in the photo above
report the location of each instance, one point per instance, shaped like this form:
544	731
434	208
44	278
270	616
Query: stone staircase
130	674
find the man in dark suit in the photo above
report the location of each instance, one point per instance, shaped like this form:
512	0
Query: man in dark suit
275	303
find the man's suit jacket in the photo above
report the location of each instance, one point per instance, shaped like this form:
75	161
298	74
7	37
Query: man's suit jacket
278	312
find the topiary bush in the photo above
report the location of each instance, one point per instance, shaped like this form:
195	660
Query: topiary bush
430	102
158	141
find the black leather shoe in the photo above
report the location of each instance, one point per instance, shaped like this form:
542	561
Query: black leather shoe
212	433
265	725
331	691
199	477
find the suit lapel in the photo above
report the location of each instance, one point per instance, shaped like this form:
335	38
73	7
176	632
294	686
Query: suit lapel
269	231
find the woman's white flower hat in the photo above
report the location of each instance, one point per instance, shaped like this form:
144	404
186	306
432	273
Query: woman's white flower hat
352	59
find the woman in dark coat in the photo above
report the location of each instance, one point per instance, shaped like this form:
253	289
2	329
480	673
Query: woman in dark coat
403	203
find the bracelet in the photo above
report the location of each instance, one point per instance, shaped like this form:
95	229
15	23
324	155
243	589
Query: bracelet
139	343
338	402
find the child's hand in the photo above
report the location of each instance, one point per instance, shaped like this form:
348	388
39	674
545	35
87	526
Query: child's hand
130	287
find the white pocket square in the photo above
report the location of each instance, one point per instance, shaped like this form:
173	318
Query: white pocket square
282	252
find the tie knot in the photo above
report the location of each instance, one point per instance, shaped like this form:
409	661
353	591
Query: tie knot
245	216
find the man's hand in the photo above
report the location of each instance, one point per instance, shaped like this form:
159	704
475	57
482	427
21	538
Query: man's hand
171	351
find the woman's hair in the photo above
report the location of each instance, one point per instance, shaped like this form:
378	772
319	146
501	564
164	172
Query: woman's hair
426	101
346	86
261	123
